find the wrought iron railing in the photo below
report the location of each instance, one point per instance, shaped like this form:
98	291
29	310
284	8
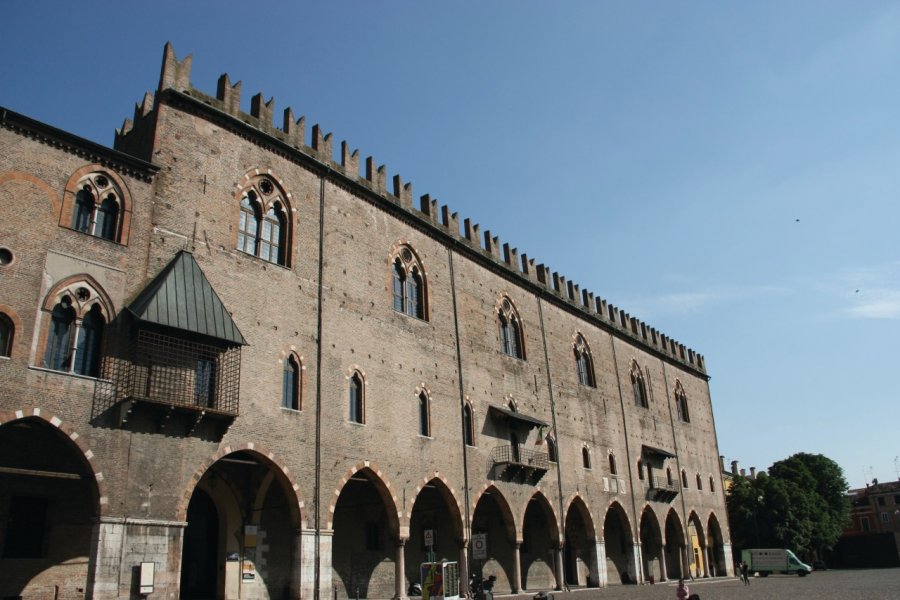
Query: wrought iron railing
174	371
661	483
519	456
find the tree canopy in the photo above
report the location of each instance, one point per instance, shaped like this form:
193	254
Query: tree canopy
801	504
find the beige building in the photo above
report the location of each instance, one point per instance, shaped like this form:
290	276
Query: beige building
236	367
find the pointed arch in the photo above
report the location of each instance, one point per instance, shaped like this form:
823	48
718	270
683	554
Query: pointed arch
468	424
512	339
439	482
75	313
356	396
639	386
265	217
72	438
510	520
370	471
266	458
579	504
584	362
681	403
409	281
97	201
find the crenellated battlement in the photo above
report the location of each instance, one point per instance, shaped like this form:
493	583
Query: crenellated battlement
175	76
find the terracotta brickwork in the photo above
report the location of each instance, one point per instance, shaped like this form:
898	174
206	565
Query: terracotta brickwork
291	483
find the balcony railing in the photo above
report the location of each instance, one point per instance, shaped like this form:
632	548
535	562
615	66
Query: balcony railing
147	369
660	489
520	458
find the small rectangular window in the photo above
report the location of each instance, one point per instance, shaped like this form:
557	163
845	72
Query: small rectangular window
885	517
880	500
864	523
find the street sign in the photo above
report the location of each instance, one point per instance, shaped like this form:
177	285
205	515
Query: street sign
429	537
479	546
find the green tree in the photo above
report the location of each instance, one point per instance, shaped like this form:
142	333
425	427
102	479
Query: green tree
824	479
801	504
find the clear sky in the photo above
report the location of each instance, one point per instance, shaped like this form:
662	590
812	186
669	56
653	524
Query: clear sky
725	171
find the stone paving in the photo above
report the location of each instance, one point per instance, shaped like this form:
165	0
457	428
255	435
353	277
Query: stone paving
863	584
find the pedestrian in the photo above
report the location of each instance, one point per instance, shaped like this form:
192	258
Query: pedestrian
682	592
745	573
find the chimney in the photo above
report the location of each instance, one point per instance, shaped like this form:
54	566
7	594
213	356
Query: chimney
734	468
752	472
743	472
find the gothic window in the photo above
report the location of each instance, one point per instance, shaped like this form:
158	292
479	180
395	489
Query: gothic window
552	455
264	222
468	426
357	399
639	386
612	464
97	209
58	352
684	479
699	482
424	415
583	362
681	405
640	470
408	284
669	476
585	457
712	487
290	384
511	342
7	332
87	344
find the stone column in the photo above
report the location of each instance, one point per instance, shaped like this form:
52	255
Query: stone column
400	570
105	564
636	565
516	583
303	574
560	573
464	568
663	571
600	564
326	540
685	562
729	561
706	569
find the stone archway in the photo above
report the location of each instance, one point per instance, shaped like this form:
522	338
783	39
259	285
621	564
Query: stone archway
493	518
619	545
51	499
580	552
715	543
652	547
698	554
367	549
540	545
436	511
243	528
675	547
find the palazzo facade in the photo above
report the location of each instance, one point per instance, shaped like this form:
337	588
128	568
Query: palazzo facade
236	363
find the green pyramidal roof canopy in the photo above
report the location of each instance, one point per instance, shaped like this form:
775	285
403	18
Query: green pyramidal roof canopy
181	297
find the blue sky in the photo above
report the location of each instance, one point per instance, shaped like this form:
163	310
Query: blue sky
725	171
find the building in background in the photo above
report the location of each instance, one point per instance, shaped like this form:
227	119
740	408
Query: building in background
234	366
872	539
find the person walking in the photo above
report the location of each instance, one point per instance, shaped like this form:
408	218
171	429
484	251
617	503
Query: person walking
682	591
745	573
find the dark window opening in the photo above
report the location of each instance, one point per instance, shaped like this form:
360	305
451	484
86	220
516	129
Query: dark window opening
25	528
356	399
290	385
424	421
7	333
